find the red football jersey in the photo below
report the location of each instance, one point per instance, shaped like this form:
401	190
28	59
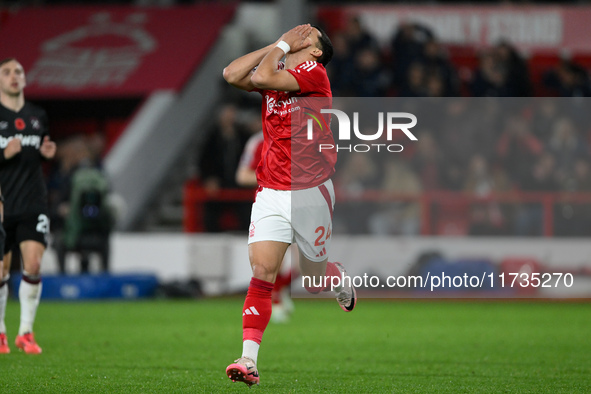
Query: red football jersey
289	160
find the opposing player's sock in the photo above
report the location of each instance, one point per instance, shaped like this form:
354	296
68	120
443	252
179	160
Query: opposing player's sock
255	316
29	294
3	300
331	272
281	281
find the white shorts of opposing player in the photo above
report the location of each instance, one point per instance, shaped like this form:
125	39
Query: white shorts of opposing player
303	217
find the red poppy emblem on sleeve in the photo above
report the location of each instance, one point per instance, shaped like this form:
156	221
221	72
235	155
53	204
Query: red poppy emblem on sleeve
19	124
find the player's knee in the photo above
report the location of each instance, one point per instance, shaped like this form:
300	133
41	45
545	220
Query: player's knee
33	267
263	273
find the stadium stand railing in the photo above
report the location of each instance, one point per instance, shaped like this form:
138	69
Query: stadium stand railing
441	212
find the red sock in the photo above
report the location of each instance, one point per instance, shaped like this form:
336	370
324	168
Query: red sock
257	310
281	281
331	271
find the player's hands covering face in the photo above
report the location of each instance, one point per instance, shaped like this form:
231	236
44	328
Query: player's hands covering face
298	38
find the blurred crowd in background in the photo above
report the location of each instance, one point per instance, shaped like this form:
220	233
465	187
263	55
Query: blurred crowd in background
465	144
82	208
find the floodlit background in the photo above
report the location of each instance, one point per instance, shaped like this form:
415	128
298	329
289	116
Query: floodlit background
136	88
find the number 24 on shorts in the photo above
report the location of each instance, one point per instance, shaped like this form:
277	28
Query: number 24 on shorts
323	235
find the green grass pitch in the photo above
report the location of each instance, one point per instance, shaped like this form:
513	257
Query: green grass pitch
381	347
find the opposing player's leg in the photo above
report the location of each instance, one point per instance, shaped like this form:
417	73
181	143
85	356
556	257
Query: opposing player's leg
283	306
29	294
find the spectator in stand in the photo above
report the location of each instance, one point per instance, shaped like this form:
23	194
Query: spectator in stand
356	68
568	80
545	113
514	67
453	175
482	181
541	178
341	69
370	79
581	179
489	80
502	73
397	217
427	162
218	164
71	153
517	147
463	130
358	38
573	217
439	70
359	173
82	226
566	146
571	80
414	84
407	48
435	86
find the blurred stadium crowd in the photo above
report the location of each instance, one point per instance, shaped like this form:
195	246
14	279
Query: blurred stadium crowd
533	139
466	142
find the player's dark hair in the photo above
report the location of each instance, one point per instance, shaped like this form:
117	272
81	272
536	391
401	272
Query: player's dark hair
6	60
325	45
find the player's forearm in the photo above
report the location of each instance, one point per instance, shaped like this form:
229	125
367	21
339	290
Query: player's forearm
237	71
264	73
246	177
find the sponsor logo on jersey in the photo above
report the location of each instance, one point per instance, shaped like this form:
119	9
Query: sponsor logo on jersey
270	104
3	125
280	106
26	140
20	124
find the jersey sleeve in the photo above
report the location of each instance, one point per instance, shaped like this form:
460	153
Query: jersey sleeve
252	152
254	163
311	77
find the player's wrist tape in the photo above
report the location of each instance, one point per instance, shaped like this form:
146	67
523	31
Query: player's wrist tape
284	46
